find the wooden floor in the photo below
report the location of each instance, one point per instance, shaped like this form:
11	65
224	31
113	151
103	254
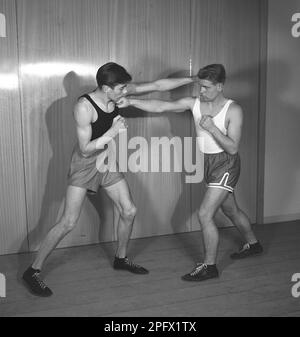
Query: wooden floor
84	283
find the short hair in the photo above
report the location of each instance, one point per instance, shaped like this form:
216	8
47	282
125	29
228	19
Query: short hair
213	72
111	74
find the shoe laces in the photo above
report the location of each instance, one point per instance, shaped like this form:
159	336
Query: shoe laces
198	268
39	281
131	264
245	247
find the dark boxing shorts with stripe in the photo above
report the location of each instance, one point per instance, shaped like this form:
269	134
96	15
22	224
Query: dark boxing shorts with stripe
222	170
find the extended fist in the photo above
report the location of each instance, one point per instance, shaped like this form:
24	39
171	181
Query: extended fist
123	102
119	124
206	123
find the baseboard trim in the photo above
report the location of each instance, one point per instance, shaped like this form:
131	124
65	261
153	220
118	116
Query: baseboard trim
282	218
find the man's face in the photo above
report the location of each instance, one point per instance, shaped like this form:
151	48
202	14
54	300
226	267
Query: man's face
117	92
209	91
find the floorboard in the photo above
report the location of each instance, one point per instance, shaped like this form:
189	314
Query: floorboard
84	283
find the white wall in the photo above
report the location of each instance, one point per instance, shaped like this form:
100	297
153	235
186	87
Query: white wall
282	161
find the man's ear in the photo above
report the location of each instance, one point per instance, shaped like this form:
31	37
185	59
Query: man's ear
220	86
106	88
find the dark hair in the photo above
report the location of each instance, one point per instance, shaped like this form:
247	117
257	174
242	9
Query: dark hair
111	74
213	72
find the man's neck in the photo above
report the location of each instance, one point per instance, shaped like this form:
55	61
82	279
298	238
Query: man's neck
217	102
101	99
101	96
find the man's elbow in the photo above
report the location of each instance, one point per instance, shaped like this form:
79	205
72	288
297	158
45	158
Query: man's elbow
163	85
158	110
233	150
84	152
157	86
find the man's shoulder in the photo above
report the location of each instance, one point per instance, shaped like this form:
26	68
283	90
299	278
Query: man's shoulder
82	99
83	103
189	101
235	107
82	110
235	110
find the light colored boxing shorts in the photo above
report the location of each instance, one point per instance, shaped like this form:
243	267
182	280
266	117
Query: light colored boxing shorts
86	172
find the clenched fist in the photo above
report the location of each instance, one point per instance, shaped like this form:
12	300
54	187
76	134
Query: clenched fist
207	123
119	124
123	102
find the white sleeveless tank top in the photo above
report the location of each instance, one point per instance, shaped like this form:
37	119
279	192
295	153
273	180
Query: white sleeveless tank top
206	142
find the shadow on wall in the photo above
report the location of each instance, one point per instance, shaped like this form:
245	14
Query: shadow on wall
62	137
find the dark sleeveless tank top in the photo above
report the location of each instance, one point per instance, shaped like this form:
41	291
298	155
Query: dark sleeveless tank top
104	120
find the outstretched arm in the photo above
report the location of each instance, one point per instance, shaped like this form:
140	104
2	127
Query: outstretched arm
159	85
158	106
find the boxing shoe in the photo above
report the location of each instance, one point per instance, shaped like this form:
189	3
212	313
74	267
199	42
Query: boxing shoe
248	250
35	284
201	272
125	264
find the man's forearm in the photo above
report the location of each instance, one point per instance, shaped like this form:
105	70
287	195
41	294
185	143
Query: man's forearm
158	85
172	83
98	143
224	141
147	105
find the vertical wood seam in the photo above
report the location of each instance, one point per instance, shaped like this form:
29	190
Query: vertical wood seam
22	124
263	11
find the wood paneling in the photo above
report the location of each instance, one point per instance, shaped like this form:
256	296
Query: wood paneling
261	149
61	45
13	229
151	39
282	137
228	32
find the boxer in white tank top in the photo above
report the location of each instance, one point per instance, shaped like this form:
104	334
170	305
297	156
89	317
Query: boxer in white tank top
218	123
209	144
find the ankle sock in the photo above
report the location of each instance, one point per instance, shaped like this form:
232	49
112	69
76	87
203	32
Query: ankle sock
34	270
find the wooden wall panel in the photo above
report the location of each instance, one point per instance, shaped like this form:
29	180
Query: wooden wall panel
228	32
151	39
13	229
68	40
61	43
282	161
